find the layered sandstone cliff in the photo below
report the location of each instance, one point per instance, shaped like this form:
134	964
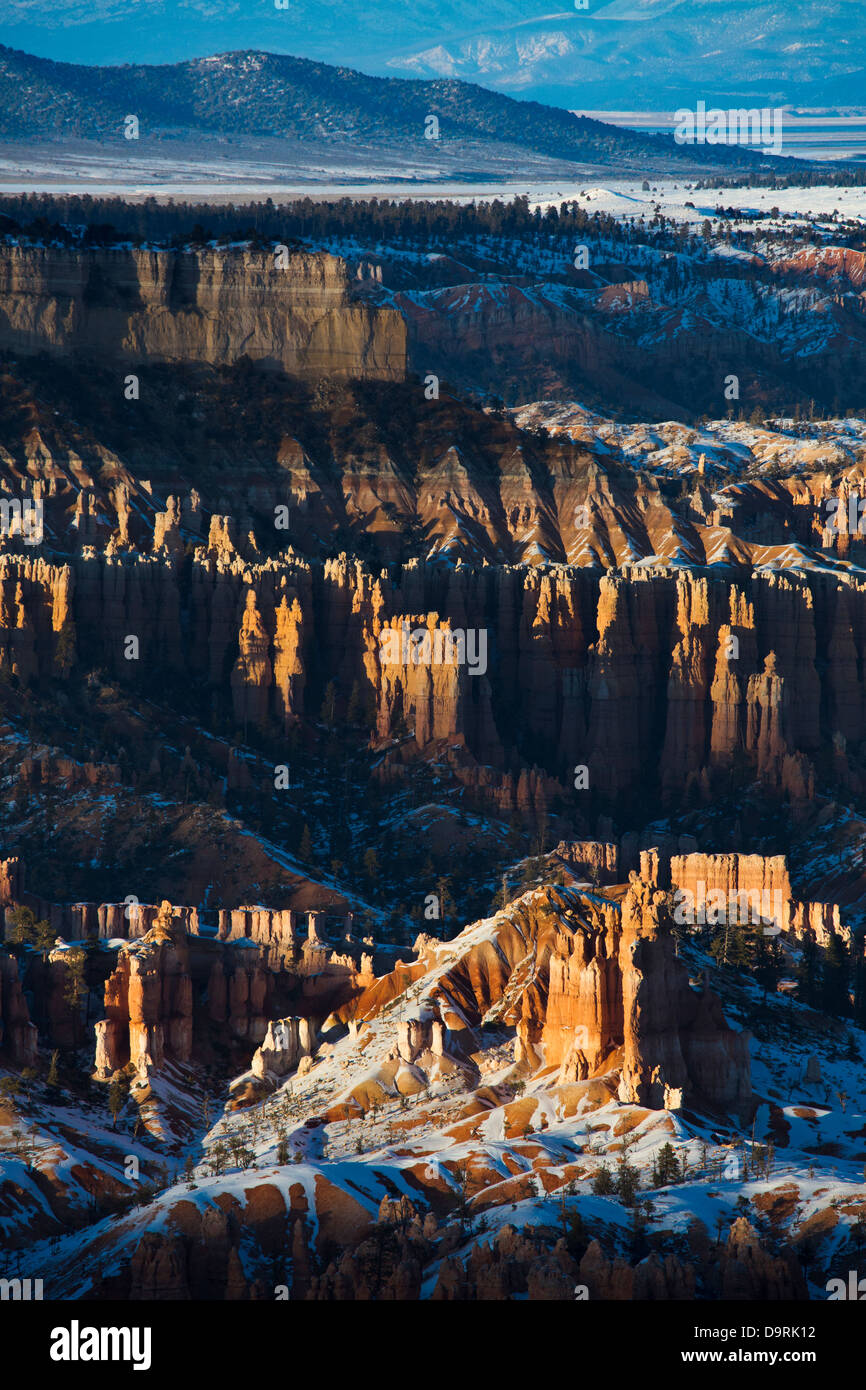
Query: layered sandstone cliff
140	305
746	888
620	991
172	992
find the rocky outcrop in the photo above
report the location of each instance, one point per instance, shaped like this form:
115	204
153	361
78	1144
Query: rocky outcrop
201	1261
420	1034
750	1273
622	987
148	1003
286	1041
591	987
676	1041
281	929
745	888
10	881
126	921
740	1269
580	669
18	1037
172	993
136	305
594	859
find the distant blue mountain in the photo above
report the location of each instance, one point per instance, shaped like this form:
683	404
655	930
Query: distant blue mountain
247	94
626	53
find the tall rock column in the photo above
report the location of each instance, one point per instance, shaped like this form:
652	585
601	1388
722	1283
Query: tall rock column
653	1061
252	674
289	674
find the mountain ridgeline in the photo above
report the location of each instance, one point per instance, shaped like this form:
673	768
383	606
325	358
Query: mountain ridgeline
602	57
252	94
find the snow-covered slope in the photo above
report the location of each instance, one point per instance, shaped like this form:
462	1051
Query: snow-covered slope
438	1160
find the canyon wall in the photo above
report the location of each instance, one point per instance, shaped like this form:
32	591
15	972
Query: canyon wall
137	305
596	341
680	682
18	1037
168	994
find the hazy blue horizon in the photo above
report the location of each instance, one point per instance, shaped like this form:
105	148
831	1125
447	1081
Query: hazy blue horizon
620	54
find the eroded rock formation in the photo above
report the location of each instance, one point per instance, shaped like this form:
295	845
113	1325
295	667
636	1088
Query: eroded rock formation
148	1002
18	1037
590	987
289	310
286	1041
580	669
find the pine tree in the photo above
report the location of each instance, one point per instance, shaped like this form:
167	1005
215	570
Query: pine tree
640	1217
627	1182
810	974
305	849
834	991
371	866
218	1157
116	1099
602	1183
768	962
64	650
666	1169
358	706
328	711
24	928
75	987
447	906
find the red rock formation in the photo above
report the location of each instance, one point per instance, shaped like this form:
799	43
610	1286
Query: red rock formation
767	671
675	1041
590	988
289	671
10	881
148	1001
17	1034
763	881
252	675
749	1273
757	889
123	304
590	858
286	1041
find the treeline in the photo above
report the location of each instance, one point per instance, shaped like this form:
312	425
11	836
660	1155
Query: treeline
103	221
444	227
822	176
427	224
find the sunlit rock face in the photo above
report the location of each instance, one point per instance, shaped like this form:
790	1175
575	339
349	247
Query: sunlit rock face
282	310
